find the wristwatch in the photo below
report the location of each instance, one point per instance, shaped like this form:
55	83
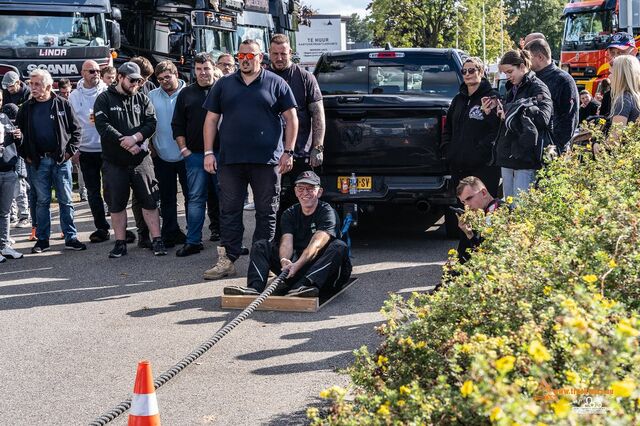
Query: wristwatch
289	151
319	148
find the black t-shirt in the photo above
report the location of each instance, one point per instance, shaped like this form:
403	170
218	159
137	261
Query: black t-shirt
306	91
588	111
43	127
302	227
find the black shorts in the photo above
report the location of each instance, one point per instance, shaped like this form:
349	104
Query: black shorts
118	180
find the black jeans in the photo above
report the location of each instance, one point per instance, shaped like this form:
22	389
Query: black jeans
329	271
265	184
288	194
168	174
91	166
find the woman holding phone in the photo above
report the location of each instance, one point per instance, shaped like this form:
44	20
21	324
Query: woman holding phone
519	154
470	131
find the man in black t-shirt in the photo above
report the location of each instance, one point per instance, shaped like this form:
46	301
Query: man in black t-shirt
310	249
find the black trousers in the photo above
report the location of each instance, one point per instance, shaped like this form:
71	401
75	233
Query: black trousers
213	208
287	193
168	174
329	271
265	184
91	166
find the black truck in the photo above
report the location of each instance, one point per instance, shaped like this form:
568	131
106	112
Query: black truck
385	111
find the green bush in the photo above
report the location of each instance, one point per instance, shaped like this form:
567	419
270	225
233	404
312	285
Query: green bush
549	299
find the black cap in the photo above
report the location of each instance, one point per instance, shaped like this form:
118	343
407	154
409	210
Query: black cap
10	110
308	177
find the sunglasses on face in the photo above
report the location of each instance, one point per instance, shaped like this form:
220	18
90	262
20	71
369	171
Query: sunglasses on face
92	71
249	56
470	71
134	80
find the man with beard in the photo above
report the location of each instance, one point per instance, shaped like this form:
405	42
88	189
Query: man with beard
254	103
125	120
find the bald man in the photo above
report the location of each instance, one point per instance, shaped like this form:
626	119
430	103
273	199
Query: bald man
90	151
529	38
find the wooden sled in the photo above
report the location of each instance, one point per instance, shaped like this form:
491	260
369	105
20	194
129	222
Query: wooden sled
282	303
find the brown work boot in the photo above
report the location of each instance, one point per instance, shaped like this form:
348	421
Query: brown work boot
224	267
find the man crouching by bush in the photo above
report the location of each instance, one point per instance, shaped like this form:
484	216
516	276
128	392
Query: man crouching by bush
473	194
310	250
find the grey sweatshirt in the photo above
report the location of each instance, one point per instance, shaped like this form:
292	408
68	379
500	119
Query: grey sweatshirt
82	100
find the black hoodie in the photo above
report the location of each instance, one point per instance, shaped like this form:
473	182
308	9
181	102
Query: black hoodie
468	133
118	115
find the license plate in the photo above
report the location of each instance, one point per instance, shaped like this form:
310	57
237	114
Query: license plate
364	182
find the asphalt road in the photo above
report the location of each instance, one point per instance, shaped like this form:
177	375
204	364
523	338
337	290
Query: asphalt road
76	324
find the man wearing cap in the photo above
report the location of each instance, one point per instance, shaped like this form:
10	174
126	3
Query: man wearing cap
125	120
13	90
310	250
254	104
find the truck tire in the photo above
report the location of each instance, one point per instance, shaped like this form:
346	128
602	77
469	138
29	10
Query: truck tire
451	225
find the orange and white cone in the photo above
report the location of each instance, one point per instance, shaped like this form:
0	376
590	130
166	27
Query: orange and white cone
144	405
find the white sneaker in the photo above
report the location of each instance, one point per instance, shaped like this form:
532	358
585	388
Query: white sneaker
250	206
2	259
223	268
10	253
24	223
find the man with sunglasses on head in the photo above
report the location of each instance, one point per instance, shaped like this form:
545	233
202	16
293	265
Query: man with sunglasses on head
125	120
255	104
310	248
473	195
90	151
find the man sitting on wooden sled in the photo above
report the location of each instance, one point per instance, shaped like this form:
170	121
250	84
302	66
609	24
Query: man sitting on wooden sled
310	248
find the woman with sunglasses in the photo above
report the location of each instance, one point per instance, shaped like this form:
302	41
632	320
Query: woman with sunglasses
519	154
469	131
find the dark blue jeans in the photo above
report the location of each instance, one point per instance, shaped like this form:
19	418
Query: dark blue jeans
168	174
198	181
48	174
265	184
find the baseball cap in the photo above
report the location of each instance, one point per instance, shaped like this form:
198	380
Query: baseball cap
308	177
131	70
10	110
10	79
621	40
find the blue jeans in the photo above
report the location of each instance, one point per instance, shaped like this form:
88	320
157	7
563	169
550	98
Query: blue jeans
516	181
48	174
198	181
8	182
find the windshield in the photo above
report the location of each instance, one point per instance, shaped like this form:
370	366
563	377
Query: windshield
585	30
258	34
52	30
215	42
429	77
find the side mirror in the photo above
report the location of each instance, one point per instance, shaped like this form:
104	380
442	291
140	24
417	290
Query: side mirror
114	34
116	14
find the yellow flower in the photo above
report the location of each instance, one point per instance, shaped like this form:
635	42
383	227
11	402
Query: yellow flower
539	352
466	348
590	279
452	252
382	360
421	344
400	403
547	290
384	410
625	327
624	388
325	394
509	200
602	121
409	341
404	390
466	388
312	412
612	264
578	323
505	364
488	230
572	377
561	408
496	414
569	304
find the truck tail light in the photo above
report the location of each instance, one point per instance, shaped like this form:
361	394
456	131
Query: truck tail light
386	54
443	122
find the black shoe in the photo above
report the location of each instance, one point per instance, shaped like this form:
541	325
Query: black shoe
129	236
119	250
244	251
144	241
304	291
215	235
158	247
99	236
236	290
189	249
74	245
41	245
179	237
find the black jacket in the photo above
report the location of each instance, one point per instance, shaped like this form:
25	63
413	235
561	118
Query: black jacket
189	115
566	102
67	129
508	142
468	133
8	147
17	98
120	115
590	110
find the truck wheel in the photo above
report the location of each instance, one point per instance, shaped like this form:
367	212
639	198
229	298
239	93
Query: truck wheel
451	224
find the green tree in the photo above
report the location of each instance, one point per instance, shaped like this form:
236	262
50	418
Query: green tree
358	29
468	23
543	16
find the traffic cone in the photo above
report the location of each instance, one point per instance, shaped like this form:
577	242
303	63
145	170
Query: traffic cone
144	405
